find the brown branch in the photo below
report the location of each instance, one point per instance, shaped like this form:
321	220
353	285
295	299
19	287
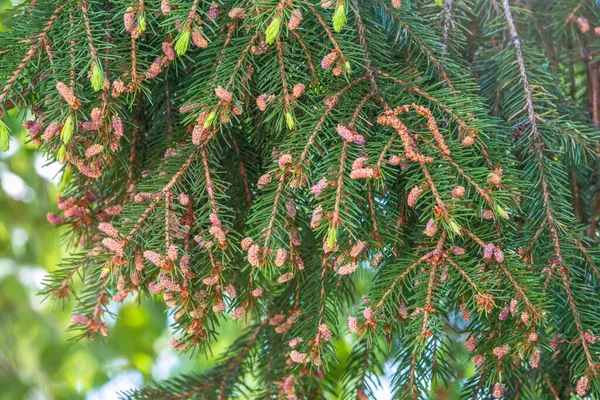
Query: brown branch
65	282
447	23
575	186
363	370
464	128
240	61
505	270
97	314
422	45
400	277
168	110
210	187
537	233
327	31
322	291
596	213
383	153
360	30
328	109
537	148
232	28
83	6
434	190
232	365
309	61
587	257
572	14
164	191
286	93
30	53
481	380
269	229
428	307
516	41
480	190
552	389
376	233
584	344
338	193
411	382
192	13
390	118
464	274
72	53
186	395
336	210
167	220
243	173
134	138
566	132
421	92
134	76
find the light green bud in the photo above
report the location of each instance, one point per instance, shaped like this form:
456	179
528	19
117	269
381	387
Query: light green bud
331	237
66	133
273	29
454	226
210	118
183	42
502	212
62	153
339	17
289	119
347	66
97	77
141	23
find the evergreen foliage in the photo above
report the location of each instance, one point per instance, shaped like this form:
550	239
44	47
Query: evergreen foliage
250	159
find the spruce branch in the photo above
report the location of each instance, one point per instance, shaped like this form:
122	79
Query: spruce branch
270	163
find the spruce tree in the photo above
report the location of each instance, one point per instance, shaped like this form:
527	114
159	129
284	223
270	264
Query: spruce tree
252	160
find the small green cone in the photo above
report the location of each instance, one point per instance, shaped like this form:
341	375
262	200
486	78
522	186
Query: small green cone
502	212
339	17
331	237
62	153
273	29
97	77
183	42
141	23
210	119
454	226
289	119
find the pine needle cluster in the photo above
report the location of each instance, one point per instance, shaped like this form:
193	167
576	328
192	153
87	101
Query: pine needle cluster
250	160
